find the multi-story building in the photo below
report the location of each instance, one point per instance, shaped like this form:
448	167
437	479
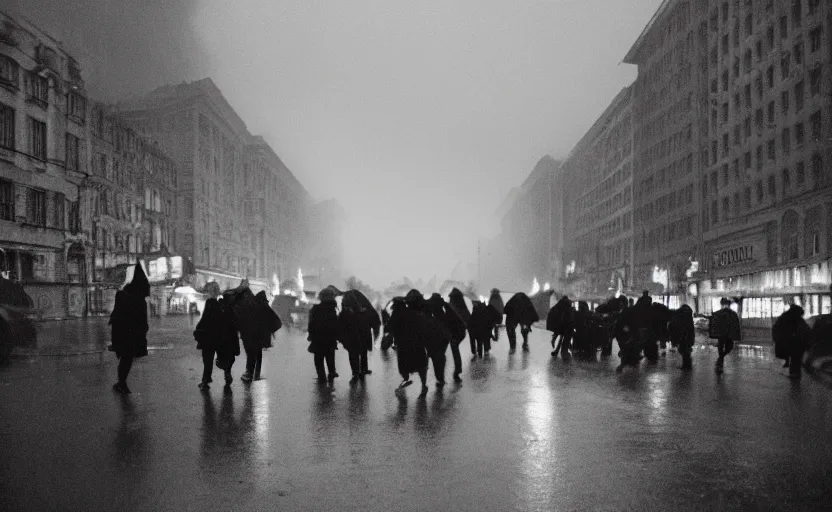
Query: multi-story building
211	146
598	208
766	187
132	193
43	123
671	136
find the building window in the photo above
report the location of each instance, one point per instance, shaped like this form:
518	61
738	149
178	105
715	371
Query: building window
790	226
798	134
784	27
76	107
798	96
759	158
736	204
9	72
36	207
800	173
798	53
771	112
786	142
787	182
726	207
772	187
37	139
37	89
714	212
815	80
797	12
784	102
815	39
770	150
816	123
6	200
813	6
58	210
761	193
6	127
747	160
785	66
73	159
747	198
817	169
770	77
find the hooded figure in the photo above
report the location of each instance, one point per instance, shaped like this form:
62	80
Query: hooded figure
657	317
358	325
560	322
791	336
682	334
582	341
481	325
495	301
456	300
129	325
633	332
437	335
520	311
323	334
408	326
725	327
454	328
216	333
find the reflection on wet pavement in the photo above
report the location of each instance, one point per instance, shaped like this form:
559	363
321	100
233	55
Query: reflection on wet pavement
521	432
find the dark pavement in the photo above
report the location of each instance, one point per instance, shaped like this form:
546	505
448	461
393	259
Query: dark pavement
522	432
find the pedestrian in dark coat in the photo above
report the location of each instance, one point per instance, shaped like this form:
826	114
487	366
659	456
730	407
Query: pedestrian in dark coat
582	342
256	321
560	322
682	334
129	325
632	331
657	317
519	310
725	328
482	323
455	328
359	324
437	336
216	334
457	302
791	336
407	325
495	301
323	334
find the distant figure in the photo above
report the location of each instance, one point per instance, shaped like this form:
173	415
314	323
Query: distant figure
645	298
682	334
725	328
323	334
560	323
457	302
407	325
482	323
791	336
495	301
129	325
216	334
520	311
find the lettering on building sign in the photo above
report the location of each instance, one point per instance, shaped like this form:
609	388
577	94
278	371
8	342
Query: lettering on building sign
734	256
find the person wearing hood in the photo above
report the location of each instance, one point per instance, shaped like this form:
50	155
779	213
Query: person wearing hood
453	328
560	322
256	321
519	310
495	301
482	323
682	334
408	327
632	329
583	343
725	328
129	325
456	300
323	334
437	336
358	325
216	334
791	336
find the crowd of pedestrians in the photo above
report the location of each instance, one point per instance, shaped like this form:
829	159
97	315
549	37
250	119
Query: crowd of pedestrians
421	330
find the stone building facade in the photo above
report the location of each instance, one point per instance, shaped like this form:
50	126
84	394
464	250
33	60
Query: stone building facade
598	207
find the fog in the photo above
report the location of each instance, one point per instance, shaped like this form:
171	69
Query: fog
418	117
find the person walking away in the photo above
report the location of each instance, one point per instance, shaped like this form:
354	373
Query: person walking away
481	325
129	325
407	325
457	302
630	332
437	336
725	328
560	322
496	301
216	334
519	310
682	334
454	328
791	336
256	329
582	340
323	334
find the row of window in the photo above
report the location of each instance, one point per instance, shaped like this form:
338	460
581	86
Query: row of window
665	204
605	187
665	234
46	209
36	88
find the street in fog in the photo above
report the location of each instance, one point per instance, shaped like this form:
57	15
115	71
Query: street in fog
521	432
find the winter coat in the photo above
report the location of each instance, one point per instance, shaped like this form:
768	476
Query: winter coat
323	328
659	317
129	324
496	302
790	333
725	323
445	314
457	302
680	327
354	331
408	327
560	319
217	329
482	320
356	301
520	310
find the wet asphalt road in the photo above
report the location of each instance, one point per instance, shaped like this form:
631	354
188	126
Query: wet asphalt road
521	432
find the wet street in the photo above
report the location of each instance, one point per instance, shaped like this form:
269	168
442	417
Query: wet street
521	432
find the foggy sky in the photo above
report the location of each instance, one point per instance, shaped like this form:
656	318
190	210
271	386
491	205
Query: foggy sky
417	116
